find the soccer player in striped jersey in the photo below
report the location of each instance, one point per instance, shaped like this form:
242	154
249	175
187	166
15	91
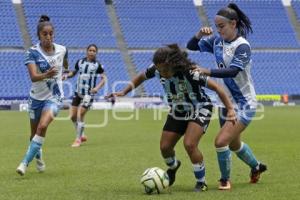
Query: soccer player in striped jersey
233	57
89	70
190	111
45	62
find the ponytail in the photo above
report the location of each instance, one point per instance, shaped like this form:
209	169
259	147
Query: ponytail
233	12
43	21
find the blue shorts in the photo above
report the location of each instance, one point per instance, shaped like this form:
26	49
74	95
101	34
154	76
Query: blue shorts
243	115
36	107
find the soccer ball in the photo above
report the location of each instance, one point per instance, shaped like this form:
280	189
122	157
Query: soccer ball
154	179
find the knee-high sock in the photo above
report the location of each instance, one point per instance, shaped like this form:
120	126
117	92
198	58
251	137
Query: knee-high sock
75	125
224	160
39	154
246	155
199	171
171	162
34	147
80	128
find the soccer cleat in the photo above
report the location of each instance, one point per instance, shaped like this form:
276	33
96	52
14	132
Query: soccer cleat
76	143
40	165
255	173
83	138
224	184
200	187
21	169
172	173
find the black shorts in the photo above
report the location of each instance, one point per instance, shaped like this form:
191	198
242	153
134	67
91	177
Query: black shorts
82	100
178	122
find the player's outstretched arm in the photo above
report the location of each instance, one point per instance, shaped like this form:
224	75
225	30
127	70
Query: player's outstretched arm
231	116
230	72
134	83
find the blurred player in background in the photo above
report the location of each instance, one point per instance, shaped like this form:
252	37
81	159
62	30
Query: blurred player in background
45	62
233	57
191	108
89	69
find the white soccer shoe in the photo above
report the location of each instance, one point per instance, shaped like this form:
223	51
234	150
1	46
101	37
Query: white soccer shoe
21	169
40	165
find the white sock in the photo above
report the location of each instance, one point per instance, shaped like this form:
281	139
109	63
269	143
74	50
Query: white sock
80	128
38	139
171	162
75	125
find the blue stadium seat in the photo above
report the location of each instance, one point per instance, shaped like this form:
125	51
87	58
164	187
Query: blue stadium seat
77	23
10	33
267	17
149	24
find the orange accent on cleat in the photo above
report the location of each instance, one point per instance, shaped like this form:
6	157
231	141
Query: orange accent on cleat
224	185
83	138
255	174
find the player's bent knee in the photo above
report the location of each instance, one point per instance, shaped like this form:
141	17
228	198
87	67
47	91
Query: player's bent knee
165	149
42	128
190	147
220	143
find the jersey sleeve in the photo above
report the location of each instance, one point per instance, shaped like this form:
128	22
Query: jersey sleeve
100	69
65	60
207	44
29	57
196	76
66	57
242	57
150	71
76	67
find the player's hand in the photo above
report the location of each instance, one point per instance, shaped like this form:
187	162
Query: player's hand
202	70
65	74
64	77
51	72
231	116
94	91
204	31
115	94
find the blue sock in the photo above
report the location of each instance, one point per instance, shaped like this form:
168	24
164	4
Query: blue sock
199	171
33	149
224	159
171	162
246	155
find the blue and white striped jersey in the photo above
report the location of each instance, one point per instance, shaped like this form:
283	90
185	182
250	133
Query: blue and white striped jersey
184	90
88	72
233	54
52	87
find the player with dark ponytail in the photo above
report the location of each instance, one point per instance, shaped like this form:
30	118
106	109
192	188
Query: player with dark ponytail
233	57
190	107
45	62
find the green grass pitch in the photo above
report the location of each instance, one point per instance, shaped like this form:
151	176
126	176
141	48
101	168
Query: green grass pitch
110	164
